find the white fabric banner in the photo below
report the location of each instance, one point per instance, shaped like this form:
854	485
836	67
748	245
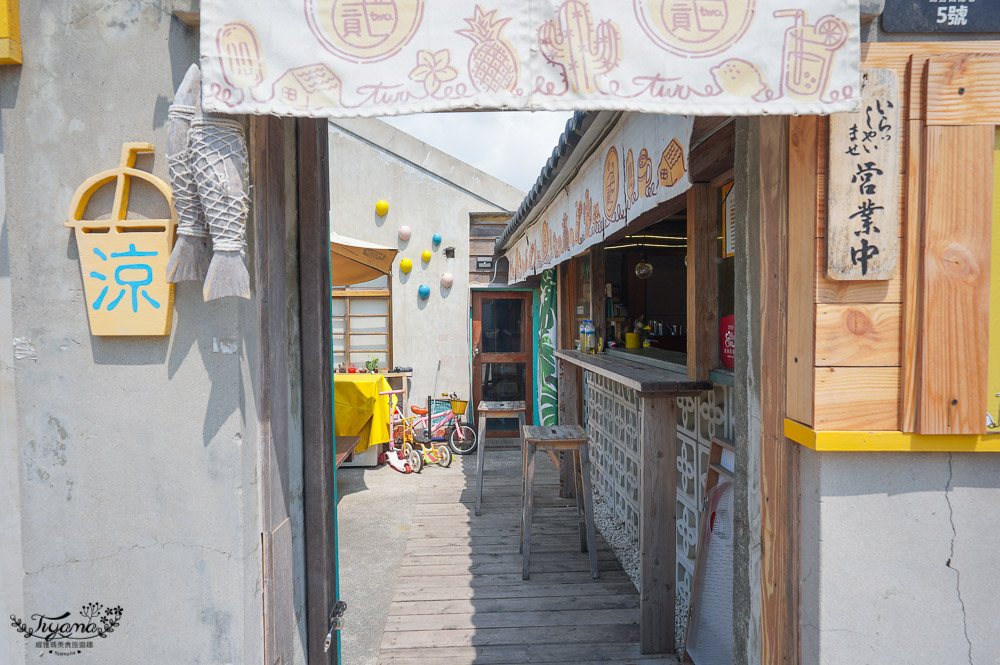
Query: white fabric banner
642	163
341	58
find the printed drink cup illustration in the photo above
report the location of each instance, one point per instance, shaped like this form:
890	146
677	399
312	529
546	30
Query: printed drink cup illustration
124	261
809	52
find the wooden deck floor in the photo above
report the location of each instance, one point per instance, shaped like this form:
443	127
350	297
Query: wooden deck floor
460	599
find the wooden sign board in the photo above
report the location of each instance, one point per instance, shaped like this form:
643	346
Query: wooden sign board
941	16
862	225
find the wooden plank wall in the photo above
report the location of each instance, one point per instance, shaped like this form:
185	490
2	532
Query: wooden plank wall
861	336
960	105
484	228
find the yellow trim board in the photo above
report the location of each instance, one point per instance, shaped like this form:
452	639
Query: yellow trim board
890	441
10	33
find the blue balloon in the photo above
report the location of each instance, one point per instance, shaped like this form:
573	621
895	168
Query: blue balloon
424	291
437	238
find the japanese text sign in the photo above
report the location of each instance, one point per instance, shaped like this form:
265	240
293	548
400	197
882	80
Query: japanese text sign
862	222
343	58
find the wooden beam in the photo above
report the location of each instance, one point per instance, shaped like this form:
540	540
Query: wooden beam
802	267
190	19
963	90
268	169
954	284
779	457
597	282
913	201
319	477
657	523
702	280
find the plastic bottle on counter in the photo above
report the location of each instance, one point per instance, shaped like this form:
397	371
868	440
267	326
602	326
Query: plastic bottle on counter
590	335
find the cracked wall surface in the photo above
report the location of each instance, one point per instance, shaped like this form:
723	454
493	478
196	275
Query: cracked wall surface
899	558
133	459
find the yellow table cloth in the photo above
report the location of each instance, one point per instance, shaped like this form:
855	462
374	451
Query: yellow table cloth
359	410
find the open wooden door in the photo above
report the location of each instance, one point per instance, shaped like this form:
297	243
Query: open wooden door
502	353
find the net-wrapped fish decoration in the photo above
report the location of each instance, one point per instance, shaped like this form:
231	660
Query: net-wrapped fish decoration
191	254
219	161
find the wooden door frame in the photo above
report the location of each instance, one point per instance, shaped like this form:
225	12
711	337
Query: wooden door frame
269	137
267	163
315	333
527	338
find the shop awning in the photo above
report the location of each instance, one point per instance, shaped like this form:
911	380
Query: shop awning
641	162
354	261
341	58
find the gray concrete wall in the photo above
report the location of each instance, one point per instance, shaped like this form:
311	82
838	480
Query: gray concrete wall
430	192
899	558
134	459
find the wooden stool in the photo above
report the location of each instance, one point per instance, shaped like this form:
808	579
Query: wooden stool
552	438
492	410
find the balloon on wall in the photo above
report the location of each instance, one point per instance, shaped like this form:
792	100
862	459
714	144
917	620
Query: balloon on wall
406	265
381	208
447	279
426	256
424	291
437	238
404	232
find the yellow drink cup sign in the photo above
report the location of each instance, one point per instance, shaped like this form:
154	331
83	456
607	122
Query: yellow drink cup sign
124	261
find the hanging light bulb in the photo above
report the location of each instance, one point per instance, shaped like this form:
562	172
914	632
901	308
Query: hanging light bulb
643	269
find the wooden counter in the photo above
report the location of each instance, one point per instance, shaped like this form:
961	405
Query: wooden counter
658	390
641	377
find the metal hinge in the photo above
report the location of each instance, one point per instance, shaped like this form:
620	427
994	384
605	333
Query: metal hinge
336	623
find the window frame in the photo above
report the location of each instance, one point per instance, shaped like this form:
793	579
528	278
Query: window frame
347	294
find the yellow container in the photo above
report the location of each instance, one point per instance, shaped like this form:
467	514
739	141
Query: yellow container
458	406
124	261
632	340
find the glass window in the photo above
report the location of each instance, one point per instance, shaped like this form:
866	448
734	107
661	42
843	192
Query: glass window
362	328
502	325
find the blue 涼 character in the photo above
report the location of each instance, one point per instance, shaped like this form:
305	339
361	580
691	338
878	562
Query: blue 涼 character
132	275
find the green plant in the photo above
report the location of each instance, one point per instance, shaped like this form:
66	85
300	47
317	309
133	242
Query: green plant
372	364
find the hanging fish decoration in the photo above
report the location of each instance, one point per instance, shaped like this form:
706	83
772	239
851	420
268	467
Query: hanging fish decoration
219	161
191	254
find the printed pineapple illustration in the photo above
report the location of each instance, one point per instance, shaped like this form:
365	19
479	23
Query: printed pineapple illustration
583	51
493	63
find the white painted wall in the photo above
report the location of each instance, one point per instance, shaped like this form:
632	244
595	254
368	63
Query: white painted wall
430	192
900	558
